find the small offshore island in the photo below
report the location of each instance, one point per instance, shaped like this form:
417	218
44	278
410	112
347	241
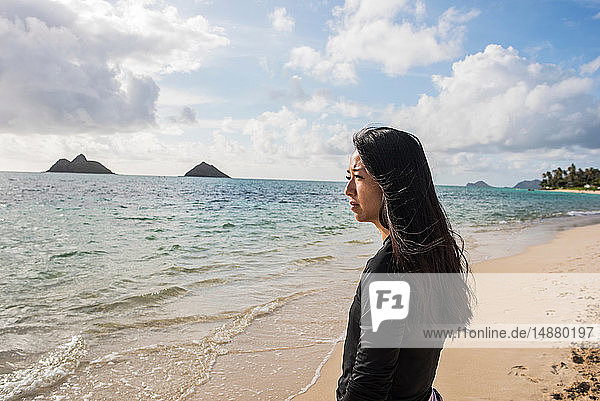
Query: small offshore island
206	170
82	165
79	165
478	184
527	184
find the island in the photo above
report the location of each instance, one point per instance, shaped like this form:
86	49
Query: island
528	184
206	170
79	165
478	184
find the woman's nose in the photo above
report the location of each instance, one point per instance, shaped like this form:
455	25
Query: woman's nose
349	188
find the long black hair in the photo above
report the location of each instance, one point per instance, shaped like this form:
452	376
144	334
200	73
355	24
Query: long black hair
421	235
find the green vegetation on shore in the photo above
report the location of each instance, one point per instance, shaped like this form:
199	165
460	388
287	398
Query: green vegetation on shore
571	178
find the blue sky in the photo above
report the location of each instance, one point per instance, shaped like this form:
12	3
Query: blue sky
500	90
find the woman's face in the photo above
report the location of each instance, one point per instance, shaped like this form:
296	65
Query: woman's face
364	193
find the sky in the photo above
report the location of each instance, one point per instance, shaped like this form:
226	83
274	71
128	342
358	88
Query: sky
499	91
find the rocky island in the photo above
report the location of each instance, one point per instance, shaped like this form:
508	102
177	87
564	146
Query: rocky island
478	184
528	184
79	165
206	170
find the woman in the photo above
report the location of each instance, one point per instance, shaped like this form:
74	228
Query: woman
390	185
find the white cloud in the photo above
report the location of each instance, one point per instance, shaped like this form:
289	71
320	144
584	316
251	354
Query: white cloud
271	131
497	101
43	150
308	59
131	153
507	168
281	21
352	109
420	9
597	16
317	103
229	126
187	116
146	37
148	153
321	102
69	66
367	30
278	144
176	97
591	67
284	135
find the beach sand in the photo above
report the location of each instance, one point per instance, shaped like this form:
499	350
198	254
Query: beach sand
501	374
578	191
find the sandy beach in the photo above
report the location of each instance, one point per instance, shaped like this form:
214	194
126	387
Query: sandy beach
503	374
576	191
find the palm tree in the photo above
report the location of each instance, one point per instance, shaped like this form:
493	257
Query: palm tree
571	175
581	178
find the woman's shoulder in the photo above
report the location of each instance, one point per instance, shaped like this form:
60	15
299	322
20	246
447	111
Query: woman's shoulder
382	261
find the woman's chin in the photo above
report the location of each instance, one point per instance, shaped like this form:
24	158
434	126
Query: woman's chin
359	218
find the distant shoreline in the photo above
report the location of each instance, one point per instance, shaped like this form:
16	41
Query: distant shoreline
577	191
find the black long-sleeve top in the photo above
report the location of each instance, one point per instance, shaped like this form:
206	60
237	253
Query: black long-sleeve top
383	374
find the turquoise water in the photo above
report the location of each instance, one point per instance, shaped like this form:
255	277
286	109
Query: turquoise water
91	265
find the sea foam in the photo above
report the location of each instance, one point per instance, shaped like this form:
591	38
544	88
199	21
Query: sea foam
48	371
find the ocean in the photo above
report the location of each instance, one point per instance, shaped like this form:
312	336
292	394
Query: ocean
145	287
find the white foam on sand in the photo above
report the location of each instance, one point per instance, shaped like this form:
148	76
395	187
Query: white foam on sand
46	372
583	212
319	368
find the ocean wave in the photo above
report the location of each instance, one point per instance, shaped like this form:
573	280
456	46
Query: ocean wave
316	259
209	282
260	223
161	251
171	248
330	229
141	218
159	295
192	360
358	241
173	270
262	251
107	327
48	371
135	300
582	212
212	345
77	253
25	329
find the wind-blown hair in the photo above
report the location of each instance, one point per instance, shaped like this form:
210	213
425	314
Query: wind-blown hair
421	235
